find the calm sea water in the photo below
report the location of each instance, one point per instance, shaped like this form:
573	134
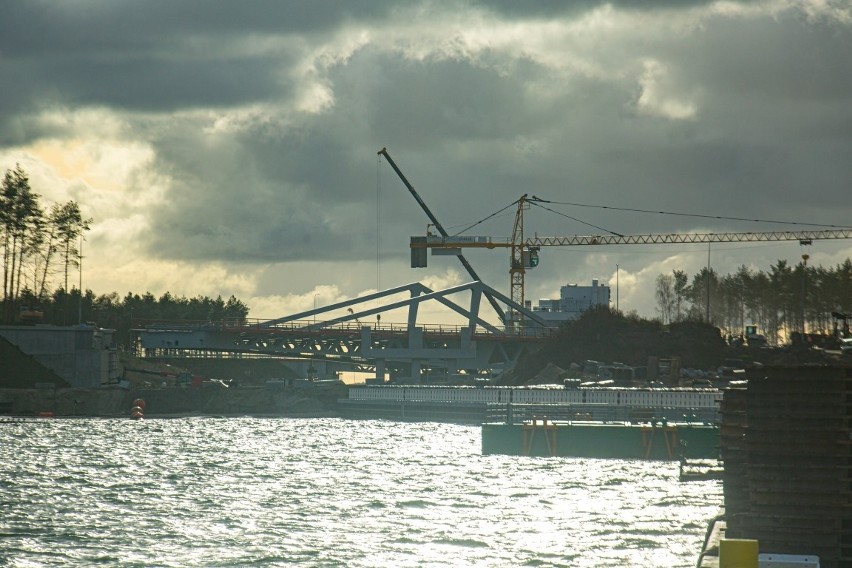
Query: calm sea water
328	492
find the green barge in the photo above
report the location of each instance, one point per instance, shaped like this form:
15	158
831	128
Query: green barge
651	441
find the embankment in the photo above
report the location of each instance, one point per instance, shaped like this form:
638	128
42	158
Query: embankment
205	400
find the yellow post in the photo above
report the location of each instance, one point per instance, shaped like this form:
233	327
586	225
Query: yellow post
738	553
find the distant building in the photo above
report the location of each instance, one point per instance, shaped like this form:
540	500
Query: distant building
573	301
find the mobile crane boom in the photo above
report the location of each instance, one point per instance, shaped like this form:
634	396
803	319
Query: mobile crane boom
438	227
435	222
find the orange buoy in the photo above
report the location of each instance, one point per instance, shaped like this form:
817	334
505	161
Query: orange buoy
138	410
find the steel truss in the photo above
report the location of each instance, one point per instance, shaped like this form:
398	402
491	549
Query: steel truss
404	351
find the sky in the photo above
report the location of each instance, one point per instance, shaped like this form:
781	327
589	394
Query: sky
230	148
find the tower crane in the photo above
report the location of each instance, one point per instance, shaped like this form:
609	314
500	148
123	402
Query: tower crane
524	251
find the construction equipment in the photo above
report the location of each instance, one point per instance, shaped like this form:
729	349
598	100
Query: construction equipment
439	228
30	316
182	378
524	251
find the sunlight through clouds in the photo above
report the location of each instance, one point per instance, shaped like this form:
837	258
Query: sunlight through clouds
234	152
655	101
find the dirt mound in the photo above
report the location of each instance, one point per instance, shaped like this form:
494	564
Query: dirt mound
550	375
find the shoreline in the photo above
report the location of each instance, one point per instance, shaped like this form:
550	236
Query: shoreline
170	402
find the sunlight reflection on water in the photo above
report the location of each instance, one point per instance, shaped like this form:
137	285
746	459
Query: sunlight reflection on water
329	492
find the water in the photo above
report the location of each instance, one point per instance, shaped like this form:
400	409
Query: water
328	492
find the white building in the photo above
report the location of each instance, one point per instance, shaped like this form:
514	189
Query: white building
574	300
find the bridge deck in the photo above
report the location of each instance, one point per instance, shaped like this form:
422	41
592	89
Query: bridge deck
319	328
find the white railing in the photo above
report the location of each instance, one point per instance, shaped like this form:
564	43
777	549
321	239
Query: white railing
626	397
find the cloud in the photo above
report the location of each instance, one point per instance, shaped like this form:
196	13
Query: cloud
239	141
655	101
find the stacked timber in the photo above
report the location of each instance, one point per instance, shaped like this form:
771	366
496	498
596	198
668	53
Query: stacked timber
790	479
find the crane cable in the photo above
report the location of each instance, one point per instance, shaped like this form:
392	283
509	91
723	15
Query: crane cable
378	222
515	202
680	214
537	202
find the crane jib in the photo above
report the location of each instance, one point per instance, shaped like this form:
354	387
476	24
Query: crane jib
804	237
679	238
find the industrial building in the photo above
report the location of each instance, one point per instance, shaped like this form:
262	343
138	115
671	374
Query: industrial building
573	301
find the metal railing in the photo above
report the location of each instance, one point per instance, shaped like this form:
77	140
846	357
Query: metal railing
514	413
316	325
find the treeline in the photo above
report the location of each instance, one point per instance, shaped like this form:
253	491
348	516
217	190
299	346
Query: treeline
781	301
41	247
603	334
38	243
123	314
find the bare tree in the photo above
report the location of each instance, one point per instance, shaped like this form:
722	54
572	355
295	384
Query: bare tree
681	289
665	297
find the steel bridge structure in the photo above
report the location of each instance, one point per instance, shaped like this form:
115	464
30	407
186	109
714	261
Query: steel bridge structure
408	352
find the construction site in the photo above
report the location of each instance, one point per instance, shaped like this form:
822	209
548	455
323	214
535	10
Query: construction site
774	415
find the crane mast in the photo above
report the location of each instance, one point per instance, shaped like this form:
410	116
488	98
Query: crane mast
517	268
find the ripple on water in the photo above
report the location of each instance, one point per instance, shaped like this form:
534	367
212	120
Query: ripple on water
269	492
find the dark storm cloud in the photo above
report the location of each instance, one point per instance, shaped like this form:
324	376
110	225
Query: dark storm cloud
39	27
786	58
456	100
455	125
239	202
152	55
557	8
310	189
769	131
150	85
732	115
